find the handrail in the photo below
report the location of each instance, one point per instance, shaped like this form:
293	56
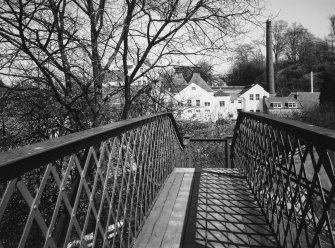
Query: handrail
290	167
319	135
91	188
15	162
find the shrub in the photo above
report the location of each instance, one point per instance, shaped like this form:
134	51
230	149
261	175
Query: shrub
206	129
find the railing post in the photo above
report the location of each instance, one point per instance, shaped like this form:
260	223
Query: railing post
187	151
228	142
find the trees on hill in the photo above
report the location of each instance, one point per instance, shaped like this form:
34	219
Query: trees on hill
248	66
297	52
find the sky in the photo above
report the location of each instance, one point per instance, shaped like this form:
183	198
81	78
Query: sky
312	14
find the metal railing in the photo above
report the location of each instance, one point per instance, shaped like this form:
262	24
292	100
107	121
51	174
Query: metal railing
289	166
88	189
95	188
204	153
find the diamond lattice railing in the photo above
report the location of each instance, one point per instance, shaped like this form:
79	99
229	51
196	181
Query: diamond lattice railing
289	166
90	189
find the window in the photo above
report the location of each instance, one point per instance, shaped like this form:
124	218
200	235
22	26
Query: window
251	97
198	111
194	115
207	111
239	110
276	105
197	102
207	104
251	110
257	96
180	104
232	101
291	105
189	103
239	101
222	103
193	88
257	110
189	111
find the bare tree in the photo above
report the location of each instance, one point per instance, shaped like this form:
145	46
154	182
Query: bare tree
298	39
66	47
279	41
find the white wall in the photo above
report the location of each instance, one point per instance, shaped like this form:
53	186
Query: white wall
253	105
214	111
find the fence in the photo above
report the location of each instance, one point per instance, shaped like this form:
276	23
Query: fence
92	188
289	167
95	188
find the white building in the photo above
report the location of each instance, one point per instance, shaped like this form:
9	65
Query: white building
199	101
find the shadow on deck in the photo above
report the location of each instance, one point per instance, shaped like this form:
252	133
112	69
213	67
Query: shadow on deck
224	213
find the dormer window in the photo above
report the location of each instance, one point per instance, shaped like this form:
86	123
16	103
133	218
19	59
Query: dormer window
193	88
291	105
276	105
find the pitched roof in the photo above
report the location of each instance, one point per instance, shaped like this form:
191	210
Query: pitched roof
234	97
226	88
246	88
178	83
307	99
282	100
197	79
222	93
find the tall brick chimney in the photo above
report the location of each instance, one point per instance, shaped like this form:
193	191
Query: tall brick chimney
270	79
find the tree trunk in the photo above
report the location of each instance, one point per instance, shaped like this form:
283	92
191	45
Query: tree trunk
126	107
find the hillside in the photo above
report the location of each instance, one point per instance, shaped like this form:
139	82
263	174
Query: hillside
297	77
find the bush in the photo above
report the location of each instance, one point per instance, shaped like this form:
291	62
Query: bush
198	129
323	116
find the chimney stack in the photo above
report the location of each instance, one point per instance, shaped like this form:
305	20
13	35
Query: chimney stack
269	60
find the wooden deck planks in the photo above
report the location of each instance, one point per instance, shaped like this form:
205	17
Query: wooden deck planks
231	216
165	223
222	212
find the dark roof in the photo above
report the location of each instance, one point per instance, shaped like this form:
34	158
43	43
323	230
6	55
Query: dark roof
197	79
225	88
282	100
114	75
178	83
234	97
246	88
222	93
307	99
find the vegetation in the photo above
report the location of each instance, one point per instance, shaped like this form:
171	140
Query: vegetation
198	129
65	50
297	53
